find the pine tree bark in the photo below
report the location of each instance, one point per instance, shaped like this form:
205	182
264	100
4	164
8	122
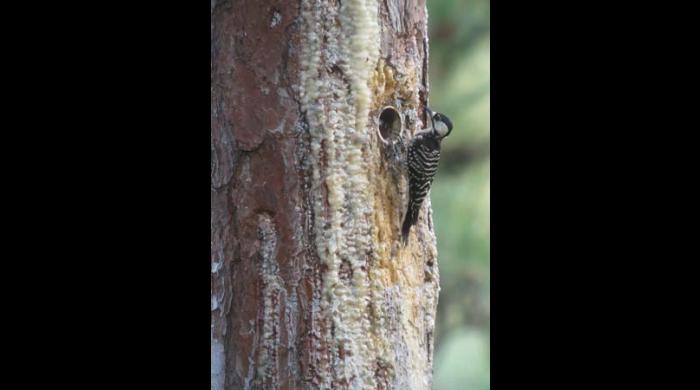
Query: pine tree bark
311	286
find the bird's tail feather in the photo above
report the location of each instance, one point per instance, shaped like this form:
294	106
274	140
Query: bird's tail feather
409	220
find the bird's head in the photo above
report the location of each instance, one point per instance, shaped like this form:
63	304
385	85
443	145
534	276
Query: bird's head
441	124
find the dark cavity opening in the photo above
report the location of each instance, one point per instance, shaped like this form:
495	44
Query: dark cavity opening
389	124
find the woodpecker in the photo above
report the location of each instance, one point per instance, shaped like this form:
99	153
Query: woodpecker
422	161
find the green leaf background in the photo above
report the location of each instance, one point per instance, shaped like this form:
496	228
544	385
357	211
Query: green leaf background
460	88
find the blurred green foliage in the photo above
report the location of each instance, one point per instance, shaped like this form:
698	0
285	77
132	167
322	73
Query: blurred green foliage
460	88
463	362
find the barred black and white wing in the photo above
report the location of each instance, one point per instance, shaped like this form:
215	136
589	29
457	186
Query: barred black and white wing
423	157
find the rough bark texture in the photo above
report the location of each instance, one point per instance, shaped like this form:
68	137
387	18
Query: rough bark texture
311	287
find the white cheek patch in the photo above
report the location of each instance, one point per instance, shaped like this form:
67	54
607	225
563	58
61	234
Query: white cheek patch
441	128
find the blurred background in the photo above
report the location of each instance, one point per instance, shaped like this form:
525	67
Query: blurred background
460	88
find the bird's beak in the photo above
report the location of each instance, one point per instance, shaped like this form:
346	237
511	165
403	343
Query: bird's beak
430	115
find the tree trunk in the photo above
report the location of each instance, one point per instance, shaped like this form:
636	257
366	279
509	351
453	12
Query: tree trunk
311	285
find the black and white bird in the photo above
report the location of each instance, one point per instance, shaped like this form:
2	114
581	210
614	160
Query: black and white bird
422	161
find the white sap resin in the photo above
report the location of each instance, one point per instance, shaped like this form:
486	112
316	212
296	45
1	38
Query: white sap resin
368	287
338	119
